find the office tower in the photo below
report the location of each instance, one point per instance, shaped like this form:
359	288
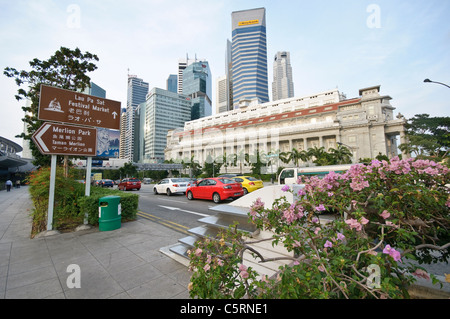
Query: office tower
197	85
95	90
249	56
229	76
182	65
123	130
282	85
221	94
137	92
172	83
163	111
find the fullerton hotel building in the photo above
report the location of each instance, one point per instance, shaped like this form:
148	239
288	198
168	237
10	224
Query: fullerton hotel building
366	125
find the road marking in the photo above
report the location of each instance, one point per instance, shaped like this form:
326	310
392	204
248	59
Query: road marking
183	210
165	222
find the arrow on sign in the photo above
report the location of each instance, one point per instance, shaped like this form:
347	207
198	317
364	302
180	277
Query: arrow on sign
114	114
39	139
182	210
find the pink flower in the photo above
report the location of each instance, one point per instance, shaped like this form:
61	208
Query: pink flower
320	208
207	267
353	223
321	268
340	236
364	221
392	252
385	214
301	192
285	188
296	243
328	244
198	252
421	274
243	271
220	262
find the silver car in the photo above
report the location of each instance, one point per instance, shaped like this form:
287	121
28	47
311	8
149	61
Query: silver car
170	186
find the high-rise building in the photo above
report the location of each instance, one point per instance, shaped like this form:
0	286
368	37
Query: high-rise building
221	94
182	65
163	111
282	85
172	83
249	56
137	92
197	85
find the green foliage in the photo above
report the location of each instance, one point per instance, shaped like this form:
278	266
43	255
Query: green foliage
70	203
129	204
427	137
65	69
385	214
68	192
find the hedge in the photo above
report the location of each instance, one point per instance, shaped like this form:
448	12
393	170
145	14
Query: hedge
129	204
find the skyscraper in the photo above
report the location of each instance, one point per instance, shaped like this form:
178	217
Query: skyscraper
163	111
137	92
172	83
197	85
249	56
282	85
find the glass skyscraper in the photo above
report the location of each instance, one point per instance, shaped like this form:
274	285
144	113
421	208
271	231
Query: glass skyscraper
197	85
249	56
137	93
282	85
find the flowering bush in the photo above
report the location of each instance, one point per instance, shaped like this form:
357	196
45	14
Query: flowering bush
384	215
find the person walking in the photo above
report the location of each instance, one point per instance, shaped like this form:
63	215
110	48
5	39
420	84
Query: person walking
8	185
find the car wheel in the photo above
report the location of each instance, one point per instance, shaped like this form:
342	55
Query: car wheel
245	191
155	191
168	192
216	198
190	196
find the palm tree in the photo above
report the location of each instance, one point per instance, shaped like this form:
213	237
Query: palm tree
341	155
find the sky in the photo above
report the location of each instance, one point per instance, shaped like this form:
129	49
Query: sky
344	44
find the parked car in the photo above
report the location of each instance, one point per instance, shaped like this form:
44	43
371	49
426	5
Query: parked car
147	180
106	183
217	189
129	183
249	183
171	186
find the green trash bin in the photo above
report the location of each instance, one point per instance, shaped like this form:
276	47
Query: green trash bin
109	213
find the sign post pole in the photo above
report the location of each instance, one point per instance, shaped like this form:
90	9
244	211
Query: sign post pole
51	195
88	184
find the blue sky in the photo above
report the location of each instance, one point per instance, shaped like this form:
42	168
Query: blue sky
348	44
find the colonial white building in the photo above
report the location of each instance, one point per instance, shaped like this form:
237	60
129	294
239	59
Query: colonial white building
365	124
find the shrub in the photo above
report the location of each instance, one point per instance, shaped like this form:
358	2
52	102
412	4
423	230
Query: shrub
67	195
387	214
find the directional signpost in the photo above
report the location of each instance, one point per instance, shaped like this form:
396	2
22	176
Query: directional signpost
58	105
84	113
58	139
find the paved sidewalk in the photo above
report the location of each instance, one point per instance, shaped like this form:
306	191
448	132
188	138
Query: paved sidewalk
124	263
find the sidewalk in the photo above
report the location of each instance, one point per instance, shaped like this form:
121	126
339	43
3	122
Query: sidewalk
124	263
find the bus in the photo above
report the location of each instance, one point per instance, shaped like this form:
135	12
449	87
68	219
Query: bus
290	175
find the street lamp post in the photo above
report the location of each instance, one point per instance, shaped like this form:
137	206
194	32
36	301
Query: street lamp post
429	81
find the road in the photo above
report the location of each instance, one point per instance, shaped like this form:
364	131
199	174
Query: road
175	212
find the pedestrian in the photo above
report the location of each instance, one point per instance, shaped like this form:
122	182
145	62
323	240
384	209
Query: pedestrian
18	183
8	185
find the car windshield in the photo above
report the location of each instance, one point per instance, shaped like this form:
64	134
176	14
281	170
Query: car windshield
133	180
251	178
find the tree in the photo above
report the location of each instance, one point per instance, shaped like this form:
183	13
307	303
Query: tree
128	169
341	155
65	69
427	137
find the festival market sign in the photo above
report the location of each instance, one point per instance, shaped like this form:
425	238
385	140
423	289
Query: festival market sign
59	105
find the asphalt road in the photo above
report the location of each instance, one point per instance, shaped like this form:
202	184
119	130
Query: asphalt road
175	212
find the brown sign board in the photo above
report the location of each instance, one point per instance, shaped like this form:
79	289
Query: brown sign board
59	105
61	139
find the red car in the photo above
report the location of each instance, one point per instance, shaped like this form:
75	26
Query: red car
216	189
129	183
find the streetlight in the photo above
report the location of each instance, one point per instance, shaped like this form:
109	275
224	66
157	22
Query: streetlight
429	81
